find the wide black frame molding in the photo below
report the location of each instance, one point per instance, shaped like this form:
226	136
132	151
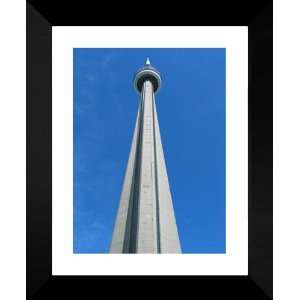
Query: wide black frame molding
41	16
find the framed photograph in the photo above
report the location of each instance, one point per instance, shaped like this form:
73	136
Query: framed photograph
149	152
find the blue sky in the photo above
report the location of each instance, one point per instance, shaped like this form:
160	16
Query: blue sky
191	112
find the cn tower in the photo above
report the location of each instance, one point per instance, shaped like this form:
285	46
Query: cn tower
145	221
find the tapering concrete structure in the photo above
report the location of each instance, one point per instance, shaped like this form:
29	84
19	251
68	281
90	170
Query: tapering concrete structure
145	221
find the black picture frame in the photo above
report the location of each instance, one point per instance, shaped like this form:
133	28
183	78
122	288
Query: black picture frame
41	16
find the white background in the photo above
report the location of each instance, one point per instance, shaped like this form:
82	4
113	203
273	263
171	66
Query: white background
286	150
235	40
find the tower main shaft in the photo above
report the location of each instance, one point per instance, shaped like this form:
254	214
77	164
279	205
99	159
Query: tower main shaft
145	221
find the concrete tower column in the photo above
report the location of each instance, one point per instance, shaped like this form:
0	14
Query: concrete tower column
145	221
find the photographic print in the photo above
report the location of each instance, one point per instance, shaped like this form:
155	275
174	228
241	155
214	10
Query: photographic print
118	95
